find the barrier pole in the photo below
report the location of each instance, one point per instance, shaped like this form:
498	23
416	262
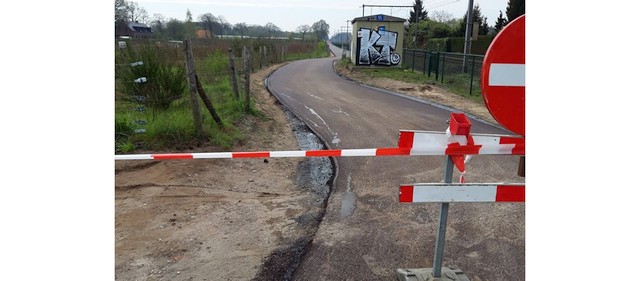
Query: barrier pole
442	225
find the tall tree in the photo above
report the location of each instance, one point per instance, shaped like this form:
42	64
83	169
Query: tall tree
120	10
476	17
272	29
208	21
159	25
175	30
321	29
189	25
135	13
303	29
500	22
515	8
240	28
418	13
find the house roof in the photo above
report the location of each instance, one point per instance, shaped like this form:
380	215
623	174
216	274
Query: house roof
136	24
380	17
139	27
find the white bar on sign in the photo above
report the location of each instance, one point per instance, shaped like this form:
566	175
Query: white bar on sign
359	152
439	193
506	74
288	153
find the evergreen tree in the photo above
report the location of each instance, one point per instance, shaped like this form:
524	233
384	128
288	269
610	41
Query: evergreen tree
418	12
476	17
189	26
515	8
500	22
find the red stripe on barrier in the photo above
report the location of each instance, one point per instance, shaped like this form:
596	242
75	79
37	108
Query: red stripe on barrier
457	149
261	154
323	153
405	140
519	142
510	193
406	194
393	151
172	156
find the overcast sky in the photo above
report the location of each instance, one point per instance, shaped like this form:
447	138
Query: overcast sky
289	14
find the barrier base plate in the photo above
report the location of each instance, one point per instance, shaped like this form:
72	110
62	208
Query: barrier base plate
426	274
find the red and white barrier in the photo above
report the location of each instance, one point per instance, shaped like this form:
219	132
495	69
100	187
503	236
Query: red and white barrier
469	192
410	143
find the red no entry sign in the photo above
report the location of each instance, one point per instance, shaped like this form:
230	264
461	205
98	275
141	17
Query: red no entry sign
503	77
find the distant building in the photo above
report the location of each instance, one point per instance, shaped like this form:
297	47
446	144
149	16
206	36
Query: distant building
203	34
378	40
133	30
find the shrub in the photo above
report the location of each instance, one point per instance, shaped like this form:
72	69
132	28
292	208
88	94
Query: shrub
164	84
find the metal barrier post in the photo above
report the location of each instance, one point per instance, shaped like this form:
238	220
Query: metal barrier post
424	64
442	73
413	65
442	225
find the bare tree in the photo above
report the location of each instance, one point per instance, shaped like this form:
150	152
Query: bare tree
120	10
321	29
135	13
241	28
208	22
441	16
272	29
159	24
303	29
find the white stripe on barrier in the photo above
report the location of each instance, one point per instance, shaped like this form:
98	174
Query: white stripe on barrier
288	153
430	143
359	152
506	74
464	192
134	157
410	143
454	193
211	155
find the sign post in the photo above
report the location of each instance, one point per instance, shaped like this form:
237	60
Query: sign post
442	223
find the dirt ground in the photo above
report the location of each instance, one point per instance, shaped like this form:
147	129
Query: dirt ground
221	219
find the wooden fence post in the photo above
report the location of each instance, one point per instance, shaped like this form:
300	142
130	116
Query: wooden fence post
247	77
191	68
261	53
234	79
207	102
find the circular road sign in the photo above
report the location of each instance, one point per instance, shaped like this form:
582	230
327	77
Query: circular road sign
503	76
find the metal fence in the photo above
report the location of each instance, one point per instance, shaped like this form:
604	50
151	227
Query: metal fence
447	68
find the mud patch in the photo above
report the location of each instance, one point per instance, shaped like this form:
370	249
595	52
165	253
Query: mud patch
282	263
314	174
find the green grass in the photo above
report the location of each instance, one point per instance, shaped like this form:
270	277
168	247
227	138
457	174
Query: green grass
320	51
172	127
455	83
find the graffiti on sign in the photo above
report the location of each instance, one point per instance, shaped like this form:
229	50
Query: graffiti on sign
377	47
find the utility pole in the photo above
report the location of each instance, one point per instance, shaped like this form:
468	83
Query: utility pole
467	35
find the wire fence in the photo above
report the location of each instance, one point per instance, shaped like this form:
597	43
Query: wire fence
460	70
156	78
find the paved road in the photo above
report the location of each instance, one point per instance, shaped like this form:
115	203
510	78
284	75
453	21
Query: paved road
366	234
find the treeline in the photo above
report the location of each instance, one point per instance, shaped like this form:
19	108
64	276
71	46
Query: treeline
425	25
209	26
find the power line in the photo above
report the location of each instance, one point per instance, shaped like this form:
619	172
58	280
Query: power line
441	3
